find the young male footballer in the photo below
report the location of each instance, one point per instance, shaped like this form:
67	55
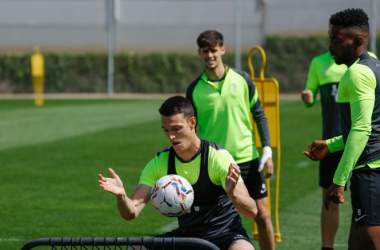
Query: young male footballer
224	100
359	107
219	192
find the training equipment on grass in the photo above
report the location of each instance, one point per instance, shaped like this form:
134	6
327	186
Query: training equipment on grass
268	91
130	243
172	195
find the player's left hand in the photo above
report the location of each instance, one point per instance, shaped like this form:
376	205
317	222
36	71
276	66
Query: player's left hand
269	165
334	194
232	177
266	159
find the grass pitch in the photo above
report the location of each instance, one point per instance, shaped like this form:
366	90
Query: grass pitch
50	158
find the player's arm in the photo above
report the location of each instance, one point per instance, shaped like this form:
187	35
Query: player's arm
312	85
362	98
261	121
224	171
129	208
361	113
238	193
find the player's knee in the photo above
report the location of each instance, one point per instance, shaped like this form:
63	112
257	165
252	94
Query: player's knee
241	245
262	213
262	218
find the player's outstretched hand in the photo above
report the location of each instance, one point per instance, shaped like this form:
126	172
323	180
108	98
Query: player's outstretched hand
317	150
232	177
334	194
113	185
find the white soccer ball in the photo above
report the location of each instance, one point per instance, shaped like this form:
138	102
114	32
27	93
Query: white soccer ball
172	195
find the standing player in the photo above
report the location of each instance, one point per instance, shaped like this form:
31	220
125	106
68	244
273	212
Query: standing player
224	99
324	75
220	193
359	106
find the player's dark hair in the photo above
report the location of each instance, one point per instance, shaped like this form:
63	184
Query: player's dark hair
210	38
177	105
350	19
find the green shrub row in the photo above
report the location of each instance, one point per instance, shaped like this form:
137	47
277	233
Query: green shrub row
288	60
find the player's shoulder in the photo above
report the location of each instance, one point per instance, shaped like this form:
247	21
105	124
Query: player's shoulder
244	75
238	71
217	151
160	159
196	80
192	86
325	57
163	151
362	72
372	54
213	145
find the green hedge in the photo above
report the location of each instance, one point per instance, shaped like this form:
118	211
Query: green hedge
288	60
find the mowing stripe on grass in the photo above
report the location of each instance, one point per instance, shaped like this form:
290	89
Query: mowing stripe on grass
303	164
29	125
169	227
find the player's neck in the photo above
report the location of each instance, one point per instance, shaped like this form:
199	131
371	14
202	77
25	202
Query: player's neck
216	73
191	151
359	52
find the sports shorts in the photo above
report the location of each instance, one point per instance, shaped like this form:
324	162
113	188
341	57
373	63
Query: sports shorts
223	241
327	168
254	180
365	196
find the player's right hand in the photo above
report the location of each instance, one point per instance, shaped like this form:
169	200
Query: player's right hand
317	150
113	185
307	96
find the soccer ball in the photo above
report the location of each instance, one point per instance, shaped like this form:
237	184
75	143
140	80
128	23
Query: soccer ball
172	195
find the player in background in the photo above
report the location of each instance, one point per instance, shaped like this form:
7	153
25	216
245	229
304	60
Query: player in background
219	191
224	99
359	107
324	75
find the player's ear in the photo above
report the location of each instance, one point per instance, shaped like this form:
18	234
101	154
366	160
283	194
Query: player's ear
193	122
223	49
358	41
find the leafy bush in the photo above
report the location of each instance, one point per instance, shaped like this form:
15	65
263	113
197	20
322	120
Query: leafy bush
288	60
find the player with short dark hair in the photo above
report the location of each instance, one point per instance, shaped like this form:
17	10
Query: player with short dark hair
359	106
224	100
219	192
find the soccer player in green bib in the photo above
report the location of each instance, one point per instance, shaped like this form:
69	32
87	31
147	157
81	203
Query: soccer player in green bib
359	106
324	75
224	100
219	191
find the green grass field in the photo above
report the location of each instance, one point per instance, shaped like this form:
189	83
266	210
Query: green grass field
50	158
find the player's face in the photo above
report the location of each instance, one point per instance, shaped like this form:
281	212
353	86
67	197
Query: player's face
341	45
212	56
179	130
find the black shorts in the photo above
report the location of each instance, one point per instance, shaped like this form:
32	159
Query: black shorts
327	168
254	180
365	196
223	240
